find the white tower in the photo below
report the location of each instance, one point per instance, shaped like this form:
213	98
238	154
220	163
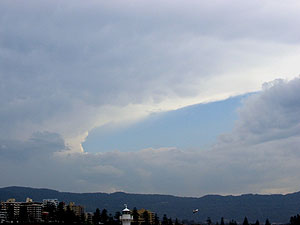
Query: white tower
126	217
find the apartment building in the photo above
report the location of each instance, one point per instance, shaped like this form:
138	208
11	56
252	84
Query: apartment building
10	210
150	216
77	209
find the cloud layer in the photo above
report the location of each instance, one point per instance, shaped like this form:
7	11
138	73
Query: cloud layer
67	67
260	155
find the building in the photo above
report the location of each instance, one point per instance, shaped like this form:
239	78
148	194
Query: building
126	216
11	200
12	209
77	209
3	215
34	211
146	215
50	202
89	217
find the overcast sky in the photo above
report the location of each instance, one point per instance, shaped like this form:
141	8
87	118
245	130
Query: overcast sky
175	97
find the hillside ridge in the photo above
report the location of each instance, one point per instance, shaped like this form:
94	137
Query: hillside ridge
278	208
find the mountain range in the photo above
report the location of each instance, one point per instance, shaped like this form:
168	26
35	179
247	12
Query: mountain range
276	207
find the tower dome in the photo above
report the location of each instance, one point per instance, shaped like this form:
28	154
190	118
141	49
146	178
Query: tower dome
126	217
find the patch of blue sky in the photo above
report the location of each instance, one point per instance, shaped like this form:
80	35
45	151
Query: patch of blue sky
195	126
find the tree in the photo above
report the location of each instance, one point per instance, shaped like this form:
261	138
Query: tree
232	222
135	216
110	219
177	222
245	221
145	217
156	220
208	221
267	222
170	222
257	222
97	216
222	221
117	217
69	216
60	212
295	220
164	220
104	216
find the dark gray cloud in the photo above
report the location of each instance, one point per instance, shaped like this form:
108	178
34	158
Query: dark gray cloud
39	145
108	52
61	62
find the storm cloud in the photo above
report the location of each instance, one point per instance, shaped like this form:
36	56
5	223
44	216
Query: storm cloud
68	67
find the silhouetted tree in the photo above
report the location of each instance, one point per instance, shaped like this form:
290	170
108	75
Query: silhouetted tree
257	222
232	222
267	222
69	216
110	220
177	222
208	221
188	222
104	216
245	221
156	220
97	216
117	217
170	222
164	220
60	212
145	217
222	221
295	220
135	216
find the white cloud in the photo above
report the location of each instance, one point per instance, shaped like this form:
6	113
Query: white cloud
272	114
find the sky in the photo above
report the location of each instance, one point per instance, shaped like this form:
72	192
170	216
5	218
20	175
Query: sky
195	126
172	97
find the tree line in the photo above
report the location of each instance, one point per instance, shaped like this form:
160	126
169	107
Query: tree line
64	215
233	222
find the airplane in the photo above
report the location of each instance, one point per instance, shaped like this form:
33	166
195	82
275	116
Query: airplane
195	211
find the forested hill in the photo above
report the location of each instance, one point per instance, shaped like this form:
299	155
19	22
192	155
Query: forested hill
277	208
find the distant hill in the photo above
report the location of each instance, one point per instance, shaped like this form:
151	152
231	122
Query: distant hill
277	208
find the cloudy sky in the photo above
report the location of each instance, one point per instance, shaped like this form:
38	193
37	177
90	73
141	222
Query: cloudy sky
173	97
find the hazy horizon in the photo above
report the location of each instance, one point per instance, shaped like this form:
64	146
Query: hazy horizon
132	193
